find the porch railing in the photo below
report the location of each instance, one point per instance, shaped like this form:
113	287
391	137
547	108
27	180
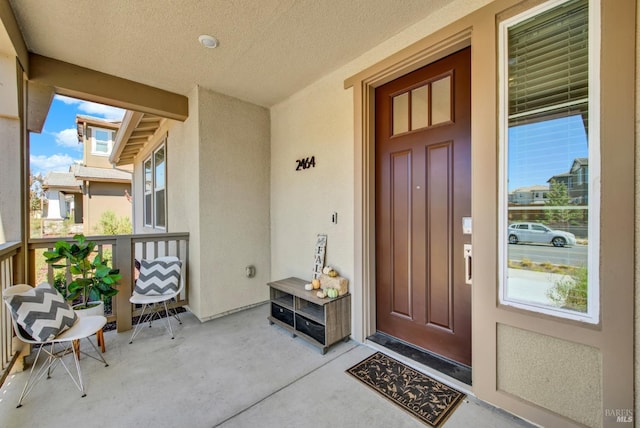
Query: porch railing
10	268
121	250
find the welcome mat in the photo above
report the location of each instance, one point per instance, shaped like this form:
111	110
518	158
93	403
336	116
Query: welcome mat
429	400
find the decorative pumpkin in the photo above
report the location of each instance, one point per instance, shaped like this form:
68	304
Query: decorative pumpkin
315	283
308	286
333	273
332	293
321	294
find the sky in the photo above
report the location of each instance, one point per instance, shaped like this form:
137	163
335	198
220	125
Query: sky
540	150
57	147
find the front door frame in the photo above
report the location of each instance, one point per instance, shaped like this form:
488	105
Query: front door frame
406	61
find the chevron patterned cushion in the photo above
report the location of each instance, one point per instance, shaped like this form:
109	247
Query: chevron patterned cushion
42	312
158	277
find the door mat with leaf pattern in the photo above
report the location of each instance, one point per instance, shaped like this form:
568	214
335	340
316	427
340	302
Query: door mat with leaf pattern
429	400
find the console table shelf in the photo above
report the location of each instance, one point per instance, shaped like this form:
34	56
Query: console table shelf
321	322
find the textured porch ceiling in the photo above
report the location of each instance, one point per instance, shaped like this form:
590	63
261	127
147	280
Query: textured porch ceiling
269	49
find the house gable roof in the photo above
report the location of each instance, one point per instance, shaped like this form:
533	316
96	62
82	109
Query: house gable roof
110	175
62	181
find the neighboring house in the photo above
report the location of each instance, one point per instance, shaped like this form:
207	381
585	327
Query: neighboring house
224	165
579	183
104	186
95	186
531	195
63	193
576	181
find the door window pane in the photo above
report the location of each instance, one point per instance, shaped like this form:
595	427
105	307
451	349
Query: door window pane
420	107
441	101
400	113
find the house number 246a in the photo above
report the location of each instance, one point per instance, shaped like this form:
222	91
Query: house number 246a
305	163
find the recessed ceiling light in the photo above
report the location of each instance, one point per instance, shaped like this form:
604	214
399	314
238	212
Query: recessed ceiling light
208	41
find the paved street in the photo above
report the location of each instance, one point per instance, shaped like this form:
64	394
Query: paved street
538	253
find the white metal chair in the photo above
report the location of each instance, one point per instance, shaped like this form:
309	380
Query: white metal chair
59	346
155	287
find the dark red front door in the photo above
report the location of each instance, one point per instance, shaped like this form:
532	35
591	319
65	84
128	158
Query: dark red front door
423	190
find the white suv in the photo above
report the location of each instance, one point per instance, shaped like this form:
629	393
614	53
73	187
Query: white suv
539	233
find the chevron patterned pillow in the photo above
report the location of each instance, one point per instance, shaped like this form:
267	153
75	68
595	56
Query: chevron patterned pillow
158	277
42	312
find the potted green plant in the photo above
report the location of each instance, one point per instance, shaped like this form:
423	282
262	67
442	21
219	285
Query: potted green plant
92	280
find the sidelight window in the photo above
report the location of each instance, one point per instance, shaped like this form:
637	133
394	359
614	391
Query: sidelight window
548	142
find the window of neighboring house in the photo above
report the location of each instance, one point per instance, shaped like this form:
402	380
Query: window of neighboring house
583	176
155	189
548	109
101	141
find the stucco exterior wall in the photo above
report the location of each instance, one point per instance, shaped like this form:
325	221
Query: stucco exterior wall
233	199
102	197
218	191
97	161
10	158
318	123
10	179
570	372
183	184
8	88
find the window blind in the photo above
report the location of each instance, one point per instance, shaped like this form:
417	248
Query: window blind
549	64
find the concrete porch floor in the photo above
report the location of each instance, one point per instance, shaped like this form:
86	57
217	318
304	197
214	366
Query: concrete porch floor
234	371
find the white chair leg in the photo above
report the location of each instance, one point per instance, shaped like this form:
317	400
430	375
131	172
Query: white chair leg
77	379
31	381
97	353
140	320
77	361
53	359
175	312
168	318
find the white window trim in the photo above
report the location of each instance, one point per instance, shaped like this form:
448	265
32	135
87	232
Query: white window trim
152	159
93	141
592	316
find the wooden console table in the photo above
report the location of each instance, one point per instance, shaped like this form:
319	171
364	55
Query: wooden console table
321	322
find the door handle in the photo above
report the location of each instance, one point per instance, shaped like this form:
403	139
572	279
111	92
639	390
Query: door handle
467	264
